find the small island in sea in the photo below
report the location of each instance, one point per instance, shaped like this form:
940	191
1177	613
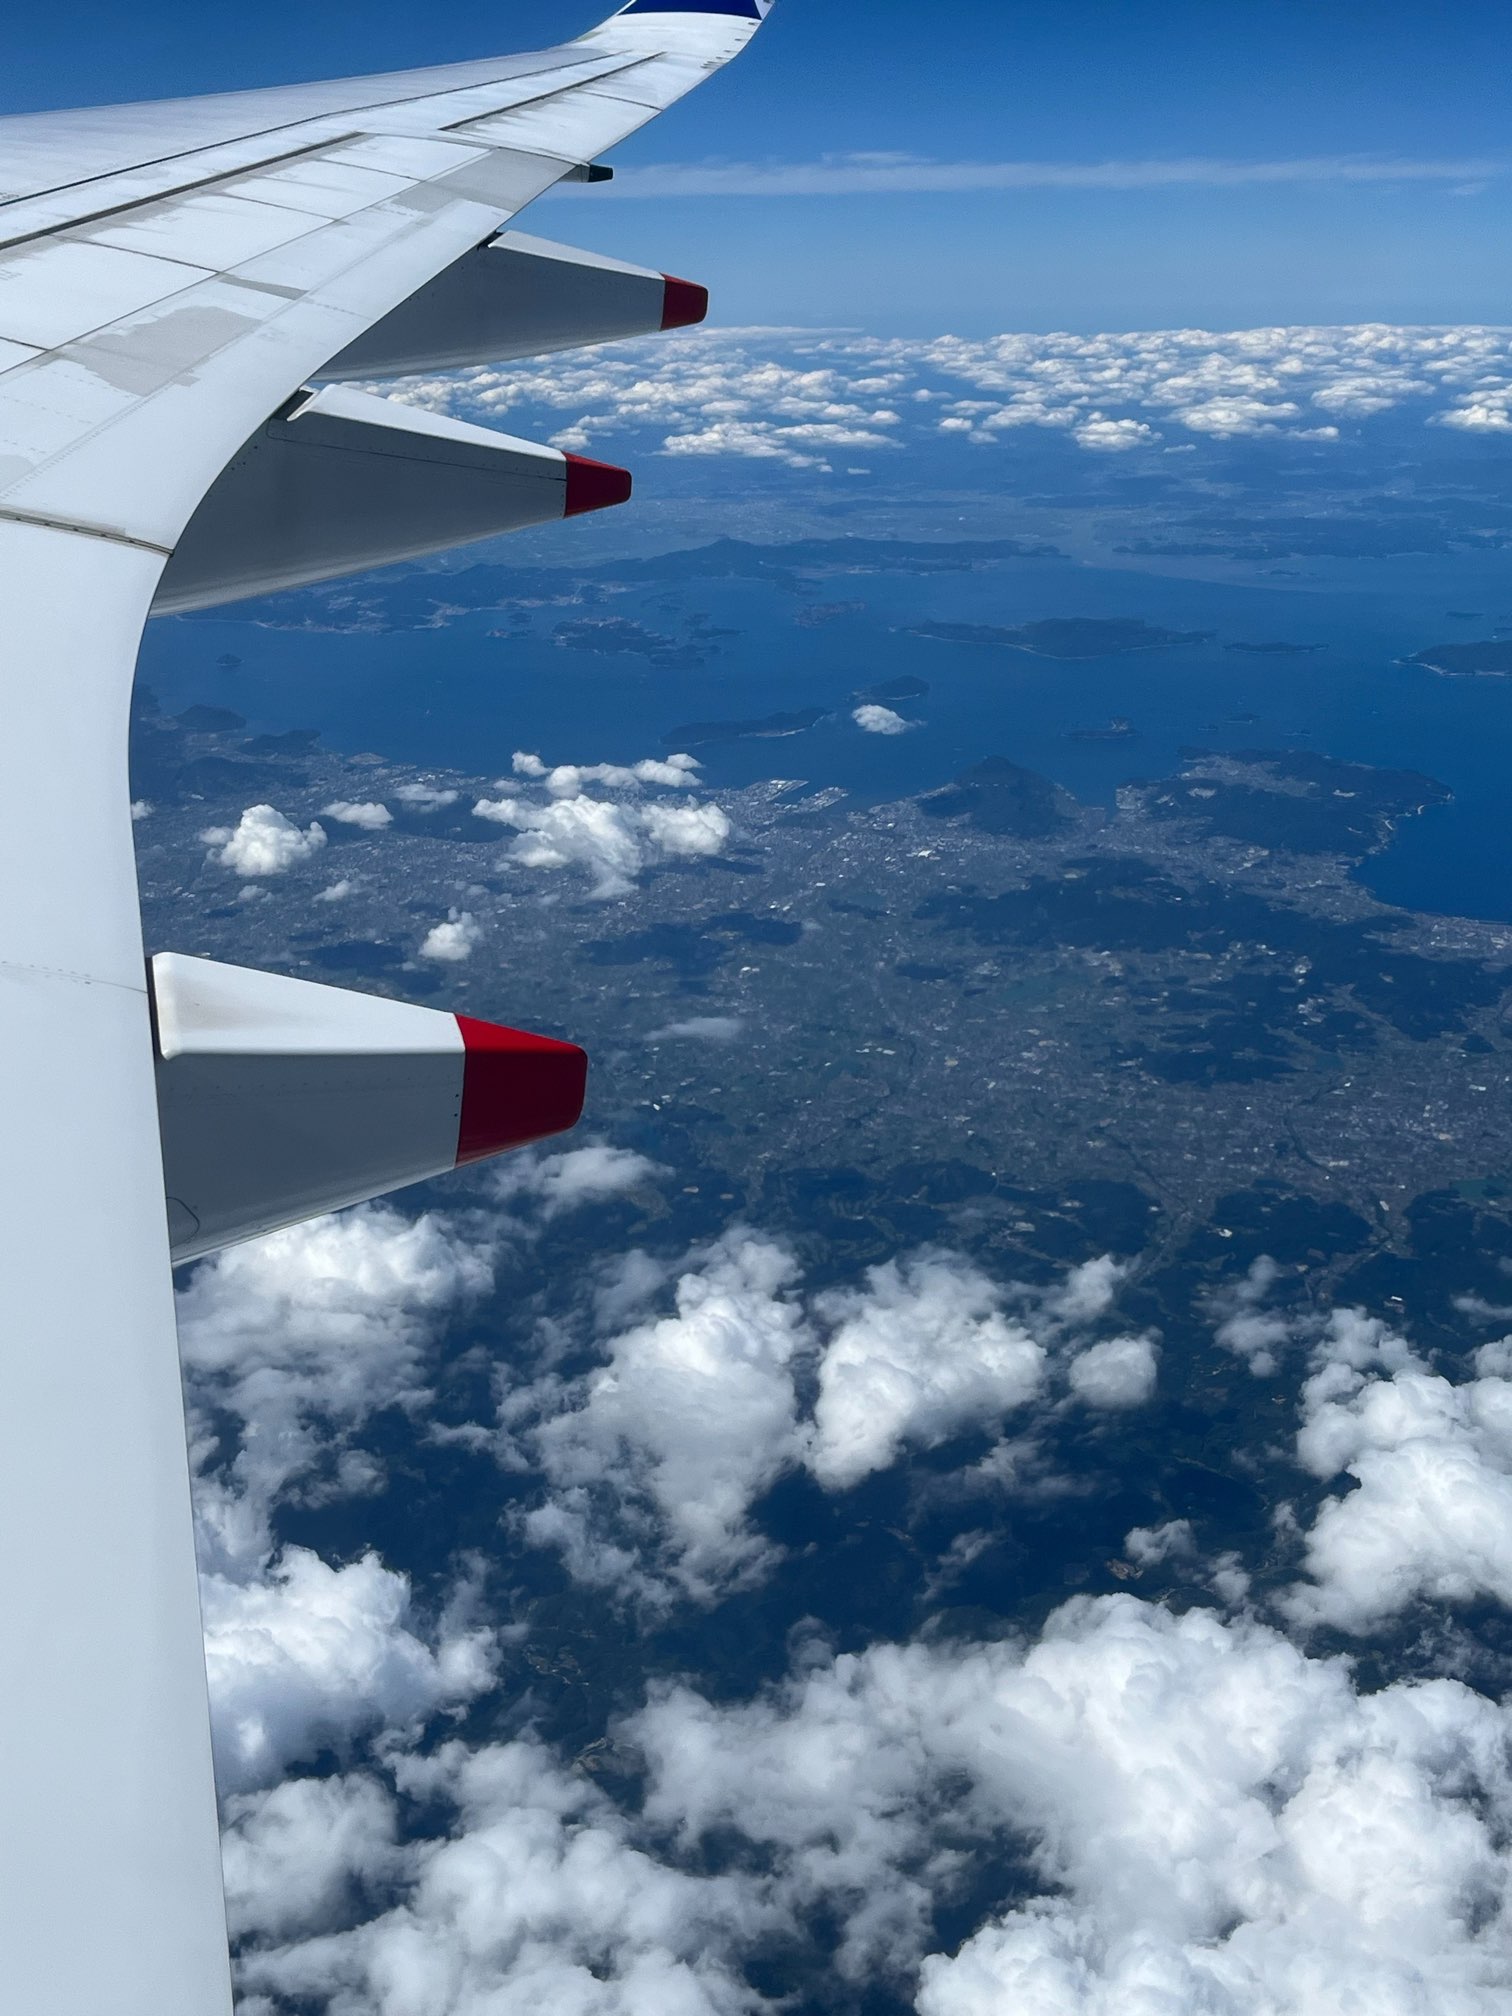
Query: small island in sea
1490	658
893	689
1119	729
693	733
816	615
612	635
1275	650
1065	636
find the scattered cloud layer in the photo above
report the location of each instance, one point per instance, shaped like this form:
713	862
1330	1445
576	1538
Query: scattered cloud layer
306	1657
801	398
611	840
1204	1818
1202	1811
538	1896
655	1462
1210	1819
292	1343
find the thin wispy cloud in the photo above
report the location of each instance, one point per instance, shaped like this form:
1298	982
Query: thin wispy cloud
906	174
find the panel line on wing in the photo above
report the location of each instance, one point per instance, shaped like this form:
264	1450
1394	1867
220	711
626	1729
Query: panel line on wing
139	201
558	92
594	66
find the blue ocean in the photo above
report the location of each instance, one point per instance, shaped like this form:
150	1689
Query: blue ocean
466	696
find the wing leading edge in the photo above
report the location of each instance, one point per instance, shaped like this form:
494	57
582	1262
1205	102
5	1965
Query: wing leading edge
171	278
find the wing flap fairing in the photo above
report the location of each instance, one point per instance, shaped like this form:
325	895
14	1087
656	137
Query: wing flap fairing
280	1099
519	296
344	480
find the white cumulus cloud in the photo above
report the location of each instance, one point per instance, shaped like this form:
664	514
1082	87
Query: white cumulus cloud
426	797
877	720
295	1341
263	842
307	1657
701	1029
554	1183
456	938
1114	437
1248	1329
569	780
536	1897
799	398
1120	1372
1430	1514
372	818
922	1351
611	840
692	1417
655	1462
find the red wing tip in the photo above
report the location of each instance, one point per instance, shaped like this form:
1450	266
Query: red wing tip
593	486
684	303
515	1088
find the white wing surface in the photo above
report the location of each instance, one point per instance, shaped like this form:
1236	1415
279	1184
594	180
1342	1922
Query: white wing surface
171	277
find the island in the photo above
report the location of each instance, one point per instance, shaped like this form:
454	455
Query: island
1491	658
1119	729
693	733
613	635
893	689
1065	636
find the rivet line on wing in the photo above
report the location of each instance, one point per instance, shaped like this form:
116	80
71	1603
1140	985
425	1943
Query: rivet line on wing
83	531
25	969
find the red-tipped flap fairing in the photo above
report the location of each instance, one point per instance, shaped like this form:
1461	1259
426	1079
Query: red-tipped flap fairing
593	486
281	1099
515	1088
683	303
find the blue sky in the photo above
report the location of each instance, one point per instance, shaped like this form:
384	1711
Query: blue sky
1243	93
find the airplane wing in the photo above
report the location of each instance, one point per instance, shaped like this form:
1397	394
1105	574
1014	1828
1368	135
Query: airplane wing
183	288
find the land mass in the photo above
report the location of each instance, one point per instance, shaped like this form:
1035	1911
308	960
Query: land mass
997	796
1292	799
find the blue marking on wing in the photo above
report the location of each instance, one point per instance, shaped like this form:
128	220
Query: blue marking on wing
748	10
